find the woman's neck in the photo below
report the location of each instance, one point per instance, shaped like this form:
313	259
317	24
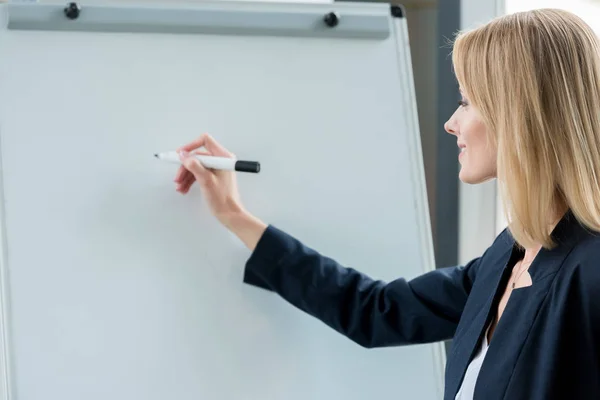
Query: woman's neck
531	251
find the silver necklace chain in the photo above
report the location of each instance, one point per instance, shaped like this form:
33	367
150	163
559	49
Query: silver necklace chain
523	269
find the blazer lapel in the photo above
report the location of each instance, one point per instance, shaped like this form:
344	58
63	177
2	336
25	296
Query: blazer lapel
467	339
520	313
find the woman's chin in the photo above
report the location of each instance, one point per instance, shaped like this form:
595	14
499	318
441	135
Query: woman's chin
471	177
465	177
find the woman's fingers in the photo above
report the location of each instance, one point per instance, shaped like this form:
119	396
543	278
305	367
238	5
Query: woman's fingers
193	145
185	186
203	175
192	170
202	153
215	147
209	143
183	174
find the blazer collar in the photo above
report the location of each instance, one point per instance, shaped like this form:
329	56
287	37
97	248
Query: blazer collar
520	312
566	234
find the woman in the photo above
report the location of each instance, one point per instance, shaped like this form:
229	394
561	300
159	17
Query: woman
525	316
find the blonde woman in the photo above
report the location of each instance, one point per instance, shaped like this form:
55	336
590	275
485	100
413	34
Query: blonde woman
525	316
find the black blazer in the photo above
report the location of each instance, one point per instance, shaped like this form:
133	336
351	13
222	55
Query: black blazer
546	345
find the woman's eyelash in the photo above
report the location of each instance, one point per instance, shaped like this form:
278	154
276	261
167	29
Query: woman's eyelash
462	103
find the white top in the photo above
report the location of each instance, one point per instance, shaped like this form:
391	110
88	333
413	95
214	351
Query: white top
468	385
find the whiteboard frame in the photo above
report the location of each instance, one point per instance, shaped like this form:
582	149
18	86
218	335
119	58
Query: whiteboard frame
24	16
418	173
6	389
231	18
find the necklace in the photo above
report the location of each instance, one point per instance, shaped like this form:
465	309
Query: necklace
523	269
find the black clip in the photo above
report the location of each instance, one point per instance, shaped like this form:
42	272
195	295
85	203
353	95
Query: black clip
331	19
72	11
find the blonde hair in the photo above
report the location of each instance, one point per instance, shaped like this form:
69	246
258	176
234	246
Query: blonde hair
535	79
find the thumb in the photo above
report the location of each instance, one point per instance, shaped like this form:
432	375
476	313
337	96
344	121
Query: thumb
192	164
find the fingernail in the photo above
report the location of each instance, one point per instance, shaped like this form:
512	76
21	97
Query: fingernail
183	154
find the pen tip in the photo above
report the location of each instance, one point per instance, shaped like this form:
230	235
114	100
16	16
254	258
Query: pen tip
156	155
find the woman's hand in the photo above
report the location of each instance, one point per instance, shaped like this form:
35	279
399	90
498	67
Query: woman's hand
219	188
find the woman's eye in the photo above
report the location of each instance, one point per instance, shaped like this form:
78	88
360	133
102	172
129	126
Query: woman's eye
462	103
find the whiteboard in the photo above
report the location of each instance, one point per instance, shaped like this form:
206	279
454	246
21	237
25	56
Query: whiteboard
114	286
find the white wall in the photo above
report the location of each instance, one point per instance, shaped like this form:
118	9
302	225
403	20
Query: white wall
588	10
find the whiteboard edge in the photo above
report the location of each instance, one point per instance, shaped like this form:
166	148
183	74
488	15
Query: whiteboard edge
400	31
5	365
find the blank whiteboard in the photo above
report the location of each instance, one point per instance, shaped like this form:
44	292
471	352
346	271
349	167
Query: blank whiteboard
114	286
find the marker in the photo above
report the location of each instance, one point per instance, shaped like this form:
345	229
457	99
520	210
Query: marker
212	162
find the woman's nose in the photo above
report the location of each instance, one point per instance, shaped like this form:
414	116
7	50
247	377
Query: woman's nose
450	127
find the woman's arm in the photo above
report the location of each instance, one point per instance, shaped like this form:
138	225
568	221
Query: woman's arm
369	312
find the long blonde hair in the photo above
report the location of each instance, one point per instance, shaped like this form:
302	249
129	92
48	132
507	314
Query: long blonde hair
535	79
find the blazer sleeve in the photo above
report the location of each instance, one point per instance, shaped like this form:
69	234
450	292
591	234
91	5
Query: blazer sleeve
370	312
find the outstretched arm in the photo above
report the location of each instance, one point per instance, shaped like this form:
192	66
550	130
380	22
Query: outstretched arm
369	312
372	313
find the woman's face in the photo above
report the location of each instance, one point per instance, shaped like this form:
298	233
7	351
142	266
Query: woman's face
477	158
